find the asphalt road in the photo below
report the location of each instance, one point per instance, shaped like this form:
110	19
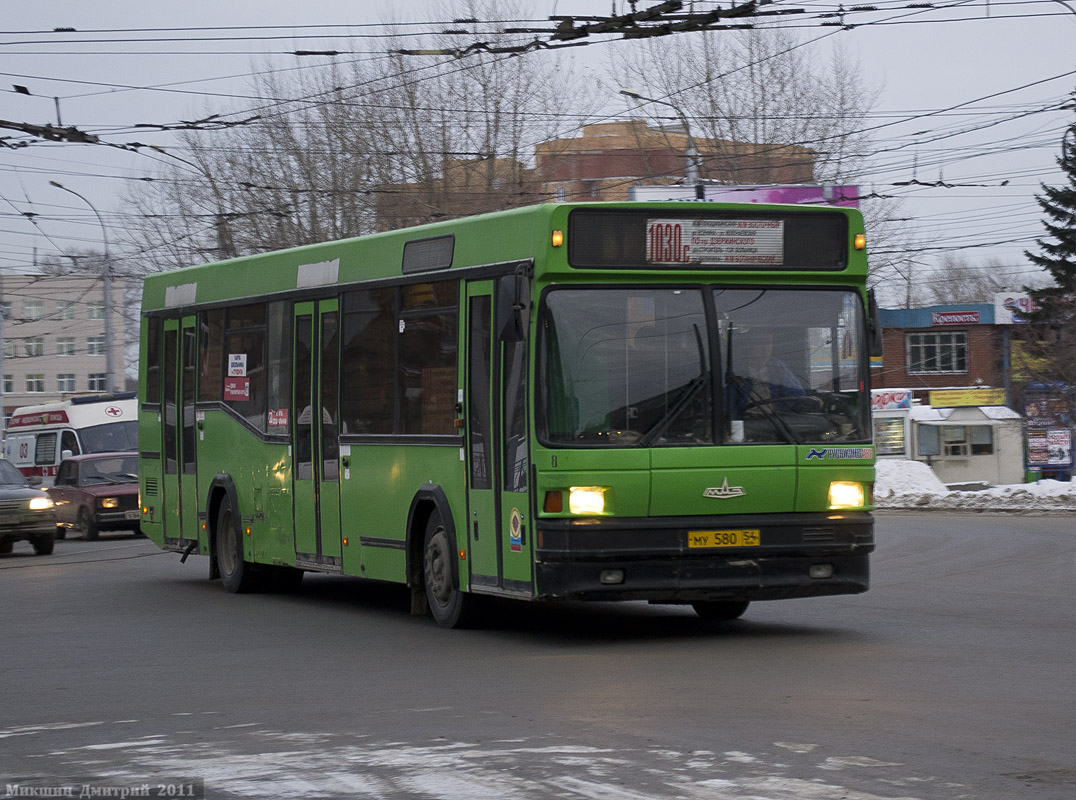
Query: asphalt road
952	678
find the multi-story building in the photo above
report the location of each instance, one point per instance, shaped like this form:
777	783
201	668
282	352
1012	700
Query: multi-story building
54	338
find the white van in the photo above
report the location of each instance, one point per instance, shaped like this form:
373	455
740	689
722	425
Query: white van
40	437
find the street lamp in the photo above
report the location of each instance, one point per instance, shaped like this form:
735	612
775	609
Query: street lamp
694	162
109	383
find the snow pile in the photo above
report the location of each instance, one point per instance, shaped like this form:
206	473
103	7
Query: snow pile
913	484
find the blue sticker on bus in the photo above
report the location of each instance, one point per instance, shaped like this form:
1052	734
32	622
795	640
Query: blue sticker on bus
828	453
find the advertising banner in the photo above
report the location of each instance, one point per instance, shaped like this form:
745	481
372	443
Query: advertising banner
962	398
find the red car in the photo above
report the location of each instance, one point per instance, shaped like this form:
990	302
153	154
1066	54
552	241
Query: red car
97	492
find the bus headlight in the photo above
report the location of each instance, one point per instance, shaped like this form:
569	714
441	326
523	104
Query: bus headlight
587	499
40	503
845	494
109	502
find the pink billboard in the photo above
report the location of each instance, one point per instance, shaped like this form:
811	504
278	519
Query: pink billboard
823	194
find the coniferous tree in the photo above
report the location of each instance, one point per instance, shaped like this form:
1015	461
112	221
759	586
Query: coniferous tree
1050	339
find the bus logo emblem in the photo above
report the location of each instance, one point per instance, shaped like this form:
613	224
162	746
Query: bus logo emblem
724	491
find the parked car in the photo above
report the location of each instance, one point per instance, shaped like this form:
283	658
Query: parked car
26	513
96	492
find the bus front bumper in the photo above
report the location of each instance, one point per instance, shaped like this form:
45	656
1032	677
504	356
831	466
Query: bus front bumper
797	555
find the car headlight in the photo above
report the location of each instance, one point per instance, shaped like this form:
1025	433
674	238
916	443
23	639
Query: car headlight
587	499
845	494
41	504
109	502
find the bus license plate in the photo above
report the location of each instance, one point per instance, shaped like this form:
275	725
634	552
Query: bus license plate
738	538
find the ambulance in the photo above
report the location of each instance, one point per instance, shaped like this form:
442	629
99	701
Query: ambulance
40	437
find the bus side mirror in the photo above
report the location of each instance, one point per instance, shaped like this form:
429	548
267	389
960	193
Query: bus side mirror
511	302
874	324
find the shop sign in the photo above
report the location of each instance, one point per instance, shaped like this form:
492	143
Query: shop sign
954	318
962	398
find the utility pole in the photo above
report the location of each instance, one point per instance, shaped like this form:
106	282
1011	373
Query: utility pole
110	383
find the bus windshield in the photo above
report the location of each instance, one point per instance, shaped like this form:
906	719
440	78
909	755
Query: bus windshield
109	437
644	366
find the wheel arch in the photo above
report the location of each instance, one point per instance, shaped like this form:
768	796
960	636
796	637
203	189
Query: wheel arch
429	498
221	487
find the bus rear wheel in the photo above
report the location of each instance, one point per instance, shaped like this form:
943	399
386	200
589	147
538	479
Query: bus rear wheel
720	610
237	575
449	607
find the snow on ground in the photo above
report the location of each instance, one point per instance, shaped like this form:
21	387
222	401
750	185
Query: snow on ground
913	484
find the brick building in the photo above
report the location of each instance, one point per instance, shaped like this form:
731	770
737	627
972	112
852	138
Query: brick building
942	347
611	157
604	163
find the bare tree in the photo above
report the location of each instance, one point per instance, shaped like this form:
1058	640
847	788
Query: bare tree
368	146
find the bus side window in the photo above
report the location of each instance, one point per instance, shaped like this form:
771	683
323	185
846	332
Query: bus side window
68	441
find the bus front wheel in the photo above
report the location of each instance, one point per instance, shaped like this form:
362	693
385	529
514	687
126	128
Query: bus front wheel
449	607
720	610
236	574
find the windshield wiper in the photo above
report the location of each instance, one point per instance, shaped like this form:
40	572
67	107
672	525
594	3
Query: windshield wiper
773	418
687	394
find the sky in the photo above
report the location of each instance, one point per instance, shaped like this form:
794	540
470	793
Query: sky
971	96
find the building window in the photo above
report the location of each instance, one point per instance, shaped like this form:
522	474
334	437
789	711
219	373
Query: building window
9	348
9	384
560	194
95	345
34	309
65	382
65	309
35	346
65	345
95	309
5	309
97	381
35	383
937	352
981	439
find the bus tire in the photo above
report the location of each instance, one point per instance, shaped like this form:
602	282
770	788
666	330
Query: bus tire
237	575
449	607
720	610
86	526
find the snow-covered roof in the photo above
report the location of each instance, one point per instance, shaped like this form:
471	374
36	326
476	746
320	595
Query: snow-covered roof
936	416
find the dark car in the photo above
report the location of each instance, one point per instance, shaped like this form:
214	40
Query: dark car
26	513
97	492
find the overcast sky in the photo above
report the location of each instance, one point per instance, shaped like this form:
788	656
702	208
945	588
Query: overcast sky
999	66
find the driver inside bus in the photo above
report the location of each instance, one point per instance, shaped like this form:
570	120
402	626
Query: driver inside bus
760	377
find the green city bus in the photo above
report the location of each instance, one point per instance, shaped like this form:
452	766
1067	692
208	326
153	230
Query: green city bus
598	401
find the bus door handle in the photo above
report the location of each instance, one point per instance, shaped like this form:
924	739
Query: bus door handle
476	530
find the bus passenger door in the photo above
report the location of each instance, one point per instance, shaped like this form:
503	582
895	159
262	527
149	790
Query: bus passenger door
315	435
482	531
178	419
497	446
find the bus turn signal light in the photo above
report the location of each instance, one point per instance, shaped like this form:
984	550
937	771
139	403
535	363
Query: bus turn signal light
554	503
861	241
558	238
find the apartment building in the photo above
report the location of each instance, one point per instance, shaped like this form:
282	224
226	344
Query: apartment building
54	337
